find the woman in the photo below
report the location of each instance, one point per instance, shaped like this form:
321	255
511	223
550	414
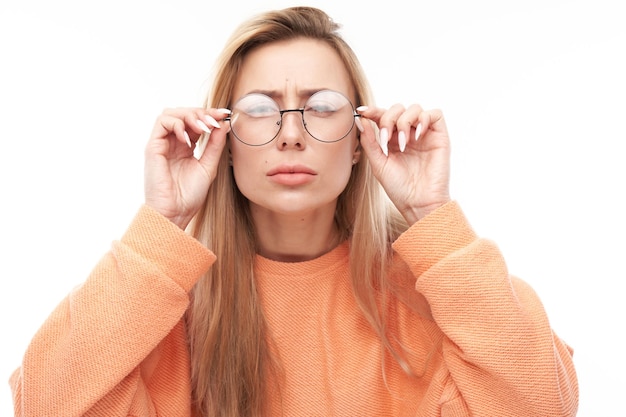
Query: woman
316	296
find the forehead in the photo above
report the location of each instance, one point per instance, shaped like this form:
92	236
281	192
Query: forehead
289	67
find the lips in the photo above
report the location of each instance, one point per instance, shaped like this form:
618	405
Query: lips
291	169
291	175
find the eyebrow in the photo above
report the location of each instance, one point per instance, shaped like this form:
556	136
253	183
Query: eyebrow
275	94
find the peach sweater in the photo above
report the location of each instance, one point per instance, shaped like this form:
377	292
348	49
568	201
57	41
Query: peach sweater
481	344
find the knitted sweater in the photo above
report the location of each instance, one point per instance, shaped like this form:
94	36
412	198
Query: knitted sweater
477	339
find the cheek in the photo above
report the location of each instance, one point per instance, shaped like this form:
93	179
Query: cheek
245	169
339	165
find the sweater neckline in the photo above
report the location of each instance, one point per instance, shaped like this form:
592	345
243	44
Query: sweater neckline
321	265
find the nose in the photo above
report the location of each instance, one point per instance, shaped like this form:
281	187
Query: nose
292	133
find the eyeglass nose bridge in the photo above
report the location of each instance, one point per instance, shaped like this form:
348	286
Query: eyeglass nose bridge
280	121
282	112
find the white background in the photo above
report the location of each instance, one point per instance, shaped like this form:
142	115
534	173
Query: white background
534	94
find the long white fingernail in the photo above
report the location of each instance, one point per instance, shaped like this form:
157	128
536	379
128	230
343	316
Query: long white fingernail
359	125
225	111
418	131
402	140
211	121
187	138
384	138
361	108
203	126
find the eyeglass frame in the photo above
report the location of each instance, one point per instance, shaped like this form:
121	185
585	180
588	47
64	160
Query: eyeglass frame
301	110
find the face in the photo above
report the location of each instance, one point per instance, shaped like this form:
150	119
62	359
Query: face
294	173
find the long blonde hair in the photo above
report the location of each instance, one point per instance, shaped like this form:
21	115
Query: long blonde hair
230	354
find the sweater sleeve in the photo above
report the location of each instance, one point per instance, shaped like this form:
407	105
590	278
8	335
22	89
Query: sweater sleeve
502	355
87	353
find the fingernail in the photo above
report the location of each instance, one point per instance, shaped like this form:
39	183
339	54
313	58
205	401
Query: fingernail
203	126
418	131
384	138
225	111
361	108
402	140
211	121
359	125
187	138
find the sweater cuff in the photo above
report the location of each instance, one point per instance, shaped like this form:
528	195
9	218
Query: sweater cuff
163	244
441	232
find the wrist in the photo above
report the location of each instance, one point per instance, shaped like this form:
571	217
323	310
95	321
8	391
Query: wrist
414	214
178	219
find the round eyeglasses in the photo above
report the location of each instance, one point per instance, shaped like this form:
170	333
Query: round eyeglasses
328	116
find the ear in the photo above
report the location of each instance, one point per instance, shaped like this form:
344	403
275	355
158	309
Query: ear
356	155
230	155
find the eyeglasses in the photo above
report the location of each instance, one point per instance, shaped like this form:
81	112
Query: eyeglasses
256	119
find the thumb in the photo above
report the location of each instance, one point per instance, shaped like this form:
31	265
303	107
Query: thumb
371	147
212	151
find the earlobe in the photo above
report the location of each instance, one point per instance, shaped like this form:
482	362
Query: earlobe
356	156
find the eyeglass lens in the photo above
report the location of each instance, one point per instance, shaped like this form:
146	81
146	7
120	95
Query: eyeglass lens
256	119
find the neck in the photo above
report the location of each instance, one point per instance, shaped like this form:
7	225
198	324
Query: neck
295	237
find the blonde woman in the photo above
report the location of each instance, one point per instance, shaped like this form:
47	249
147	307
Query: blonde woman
298	253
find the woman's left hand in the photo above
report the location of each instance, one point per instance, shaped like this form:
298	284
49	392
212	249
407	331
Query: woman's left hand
412	161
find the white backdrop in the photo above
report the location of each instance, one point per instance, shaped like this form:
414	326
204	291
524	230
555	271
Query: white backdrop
533	93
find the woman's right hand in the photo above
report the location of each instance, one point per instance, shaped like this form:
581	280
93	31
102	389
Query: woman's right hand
175	182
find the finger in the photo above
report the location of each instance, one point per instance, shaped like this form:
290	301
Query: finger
209	119
369	118
371	147
218	115
372	113
408	124
431	120
167	125
216	119
212	151
385	119
197	121
388	126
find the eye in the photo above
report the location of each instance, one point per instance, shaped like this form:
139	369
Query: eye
325	104
257	106
320	107
260	110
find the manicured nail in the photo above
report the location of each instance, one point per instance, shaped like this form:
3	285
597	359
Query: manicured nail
402	140
361	108
418	131
187	138
359	125
203	126
211	121
225	111
384	138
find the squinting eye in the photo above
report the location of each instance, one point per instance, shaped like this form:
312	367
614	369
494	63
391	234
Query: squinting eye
326	103
321	107
261	110
257	105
